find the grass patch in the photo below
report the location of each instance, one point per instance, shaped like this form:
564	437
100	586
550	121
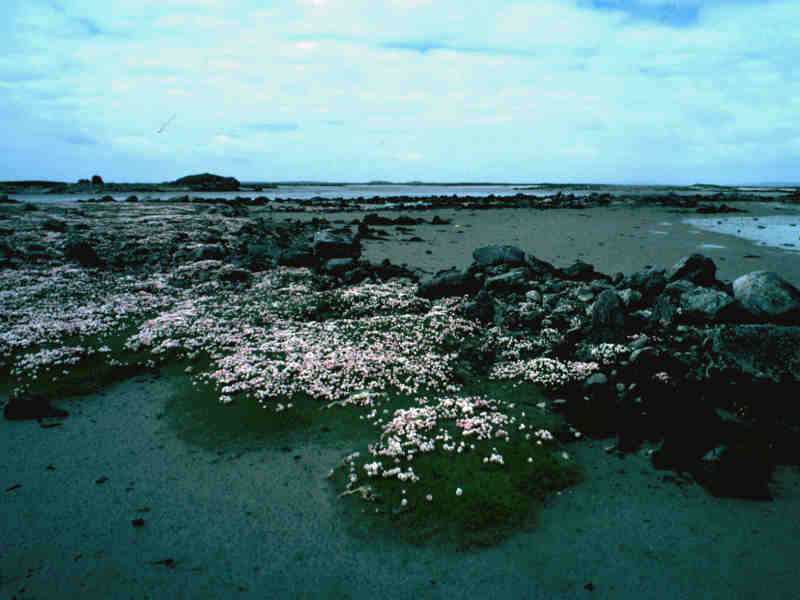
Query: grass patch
446	484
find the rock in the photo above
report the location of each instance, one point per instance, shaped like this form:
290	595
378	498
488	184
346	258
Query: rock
534	297
742	468
767	297
198	252
581	271
630	298
595	380
516	279
540	269
302	256
696	268
761	351
337	266
52	224
231	274
209	182
82	251
498	255
649	283
584	294
97	180
451	282
664	310
31	406
481	308
336	244
608	317
704	305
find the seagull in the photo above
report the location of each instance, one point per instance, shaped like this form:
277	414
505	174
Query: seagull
168	121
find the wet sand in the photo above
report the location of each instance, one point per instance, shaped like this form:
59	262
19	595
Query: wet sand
616	238
265	524
262	523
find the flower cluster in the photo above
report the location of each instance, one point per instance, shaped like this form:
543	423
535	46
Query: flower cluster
550	373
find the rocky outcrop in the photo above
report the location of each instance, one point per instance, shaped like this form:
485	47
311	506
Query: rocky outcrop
209	182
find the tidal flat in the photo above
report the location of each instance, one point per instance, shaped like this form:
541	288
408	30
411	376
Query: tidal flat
286	403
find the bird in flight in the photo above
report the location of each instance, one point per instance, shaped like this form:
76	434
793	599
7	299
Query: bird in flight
167	122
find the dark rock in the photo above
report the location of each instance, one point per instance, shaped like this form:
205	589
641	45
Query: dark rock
649	283
56	225
696	268
541	269
447	283
704	305
4	199
582	271
488	256
234	275
767	297
209	182
608	317
516	279
97	180
336	244
337	266
664	310
31	406
630	298
82	251
761	351
297	257
481	308
131	199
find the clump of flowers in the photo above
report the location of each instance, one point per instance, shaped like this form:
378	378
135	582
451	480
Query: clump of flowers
468	463
552	374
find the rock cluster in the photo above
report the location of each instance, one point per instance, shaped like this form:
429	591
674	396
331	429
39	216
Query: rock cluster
709	370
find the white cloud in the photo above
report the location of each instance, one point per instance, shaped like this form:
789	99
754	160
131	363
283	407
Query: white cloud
550	85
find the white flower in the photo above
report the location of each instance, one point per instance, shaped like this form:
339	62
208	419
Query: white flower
429	497
459	491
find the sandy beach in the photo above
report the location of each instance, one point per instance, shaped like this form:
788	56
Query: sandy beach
259	519
263	523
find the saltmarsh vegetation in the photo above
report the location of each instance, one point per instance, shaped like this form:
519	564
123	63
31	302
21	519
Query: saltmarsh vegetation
431	454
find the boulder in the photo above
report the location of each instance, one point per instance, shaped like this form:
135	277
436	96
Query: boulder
488	256
608	317
704	305
767	297
696	268
336	244
451	282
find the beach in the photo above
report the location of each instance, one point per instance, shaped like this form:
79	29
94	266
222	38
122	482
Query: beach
263	523
130	497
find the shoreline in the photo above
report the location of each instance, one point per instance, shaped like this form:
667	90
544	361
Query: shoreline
265	524
261	518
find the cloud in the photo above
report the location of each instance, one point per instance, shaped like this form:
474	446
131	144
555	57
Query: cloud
79	139
506	90
272	127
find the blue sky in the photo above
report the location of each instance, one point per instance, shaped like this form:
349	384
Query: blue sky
626	91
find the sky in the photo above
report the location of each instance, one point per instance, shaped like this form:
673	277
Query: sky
613	91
